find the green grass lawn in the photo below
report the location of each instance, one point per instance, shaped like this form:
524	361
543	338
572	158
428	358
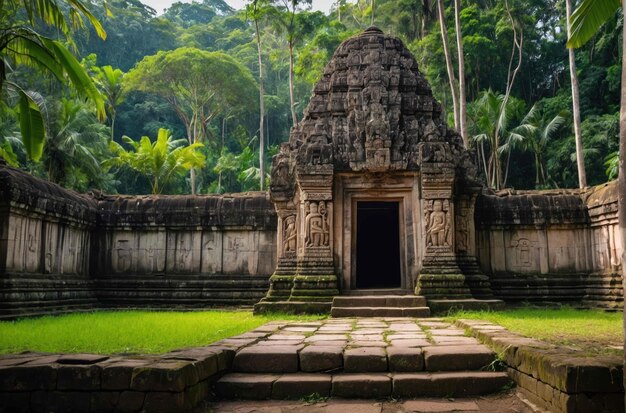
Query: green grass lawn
592	331
110	332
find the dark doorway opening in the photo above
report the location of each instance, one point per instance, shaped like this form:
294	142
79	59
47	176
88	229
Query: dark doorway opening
377	245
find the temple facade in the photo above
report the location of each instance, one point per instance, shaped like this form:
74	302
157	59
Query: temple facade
373	191
372	194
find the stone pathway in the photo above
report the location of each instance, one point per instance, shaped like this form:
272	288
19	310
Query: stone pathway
501	403
360	358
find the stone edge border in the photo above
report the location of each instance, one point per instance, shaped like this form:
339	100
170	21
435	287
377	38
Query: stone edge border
554	378
173	382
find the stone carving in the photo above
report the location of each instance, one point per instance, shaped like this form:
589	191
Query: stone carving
316	224
437	223
281	170
522	252
124	255
290	234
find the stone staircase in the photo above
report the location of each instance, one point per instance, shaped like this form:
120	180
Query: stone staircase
365	359
380	306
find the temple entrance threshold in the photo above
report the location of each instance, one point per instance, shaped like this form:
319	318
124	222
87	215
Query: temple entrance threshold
378	245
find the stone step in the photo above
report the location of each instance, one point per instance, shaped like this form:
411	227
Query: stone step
380	312
360	385
332	355
380	301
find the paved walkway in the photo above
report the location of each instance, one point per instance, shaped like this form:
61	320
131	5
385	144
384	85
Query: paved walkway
501	403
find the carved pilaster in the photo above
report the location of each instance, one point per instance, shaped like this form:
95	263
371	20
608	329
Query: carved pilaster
440	276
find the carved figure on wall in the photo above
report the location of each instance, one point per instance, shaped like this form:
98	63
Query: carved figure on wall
325	227
281	175
290	234
316	228
437	226
123	255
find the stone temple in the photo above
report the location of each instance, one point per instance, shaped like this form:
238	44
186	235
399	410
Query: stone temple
372	195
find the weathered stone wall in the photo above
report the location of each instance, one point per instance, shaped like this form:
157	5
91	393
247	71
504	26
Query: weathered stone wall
61	251
552	245
184	250
45	238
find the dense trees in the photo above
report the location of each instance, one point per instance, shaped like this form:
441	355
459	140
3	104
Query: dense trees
190	70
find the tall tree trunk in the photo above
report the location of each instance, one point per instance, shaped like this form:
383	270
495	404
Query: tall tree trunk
291	97
580	157
459	46
622	168
372	17
113	126
261	110
450	67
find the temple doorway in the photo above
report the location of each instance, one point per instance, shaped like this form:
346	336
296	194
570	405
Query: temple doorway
378	245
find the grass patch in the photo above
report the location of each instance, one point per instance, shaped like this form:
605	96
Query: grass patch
147	332
591	331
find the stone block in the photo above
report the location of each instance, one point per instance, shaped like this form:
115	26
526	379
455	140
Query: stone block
104	402
246	386
410	385
297	386
361	386
205	361
316	358
166	402
467	383
81	359
28	378
117	374
267	359
365	359
12	402
164	376
130	401
405	359
60	401
78	377
449	358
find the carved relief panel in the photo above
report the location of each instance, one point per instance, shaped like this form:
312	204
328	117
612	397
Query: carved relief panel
438	224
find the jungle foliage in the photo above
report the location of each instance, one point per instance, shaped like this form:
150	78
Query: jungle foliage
194	71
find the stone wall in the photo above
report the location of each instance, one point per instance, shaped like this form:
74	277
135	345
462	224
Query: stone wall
45	239
552	246
184	250
62	251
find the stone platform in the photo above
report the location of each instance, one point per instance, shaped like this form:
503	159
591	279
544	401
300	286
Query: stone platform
363	358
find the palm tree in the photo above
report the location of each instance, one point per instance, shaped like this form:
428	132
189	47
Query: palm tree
490	116
462	99
161	160
21	44
449	67
533	135
580	159
109	81
75	141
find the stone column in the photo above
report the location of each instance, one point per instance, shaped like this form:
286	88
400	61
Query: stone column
440	276
315	278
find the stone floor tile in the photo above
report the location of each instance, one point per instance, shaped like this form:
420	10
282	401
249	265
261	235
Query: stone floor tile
365	359
434	324
246	386
464	357
407	336
285	337
326	337
454	340
405	359
439	406
367	343
321	358
267	359
300	329
297	386
361	385
401	342
367	337
447	332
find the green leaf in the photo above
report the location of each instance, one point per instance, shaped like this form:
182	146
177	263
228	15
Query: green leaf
78	76
31	126
588	18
